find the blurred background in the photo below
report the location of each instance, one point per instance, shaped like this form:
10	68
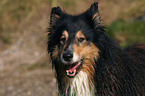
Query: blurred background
25	68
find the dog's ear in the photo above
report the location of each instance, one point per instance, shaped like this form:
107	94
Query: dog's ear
56	13
93	13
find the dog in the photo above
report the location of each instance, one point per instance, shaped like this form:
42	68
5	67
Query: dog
89	63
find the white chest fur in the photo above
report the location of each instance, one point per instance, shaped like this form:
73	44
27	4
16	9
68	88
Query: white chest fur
80	86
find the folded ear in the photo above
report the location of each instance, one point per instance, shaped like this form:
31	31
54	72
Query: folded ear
93	13
56	13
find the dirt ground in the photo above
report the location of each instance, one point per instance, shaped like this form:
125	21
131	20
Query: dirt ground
25	69
18	81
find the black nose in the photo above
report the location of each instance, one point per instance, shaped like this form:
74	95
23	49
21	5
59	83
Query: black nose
68	56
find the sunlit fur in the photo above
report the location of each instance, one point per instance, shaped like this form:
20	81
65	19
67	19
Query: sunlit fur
83	83
104	68
80	86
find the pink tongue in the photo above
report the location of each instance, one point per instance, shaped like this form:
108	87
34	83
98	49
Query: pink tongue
72	71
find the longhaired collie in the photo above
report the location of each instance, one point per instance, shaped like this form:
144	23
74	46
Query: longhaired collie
89	63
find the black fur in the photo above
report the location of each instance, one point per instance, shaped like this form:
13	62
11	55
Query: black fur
118	72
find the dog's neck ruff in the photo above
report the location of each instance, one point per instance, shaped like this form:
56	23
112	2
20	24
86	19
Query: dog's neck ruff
79	86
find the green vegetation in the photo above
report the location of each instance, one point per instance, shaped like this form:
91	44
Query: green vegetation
16	14
127	32
5	39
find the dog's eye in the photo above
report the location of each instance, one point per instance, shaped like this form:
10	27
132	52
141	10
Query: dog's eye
62	40
81	39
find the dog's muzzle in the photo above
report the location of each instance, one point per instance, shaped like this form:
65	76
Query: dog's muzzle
68	56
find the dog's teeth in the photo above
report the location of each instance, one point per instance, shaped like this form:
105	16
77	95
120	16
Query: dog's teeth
75	71
71	73
67	71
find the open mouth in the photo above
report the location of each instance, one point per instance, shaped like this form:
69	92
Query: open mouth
72	69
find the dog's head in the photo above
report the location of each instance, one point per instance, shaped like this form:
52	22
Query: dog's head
73	39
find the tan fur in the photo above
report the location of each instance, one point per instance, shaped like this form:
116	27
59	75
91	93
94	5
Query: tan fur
96	19
65	35
95	15
56	53
83	83
79	34
88	54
